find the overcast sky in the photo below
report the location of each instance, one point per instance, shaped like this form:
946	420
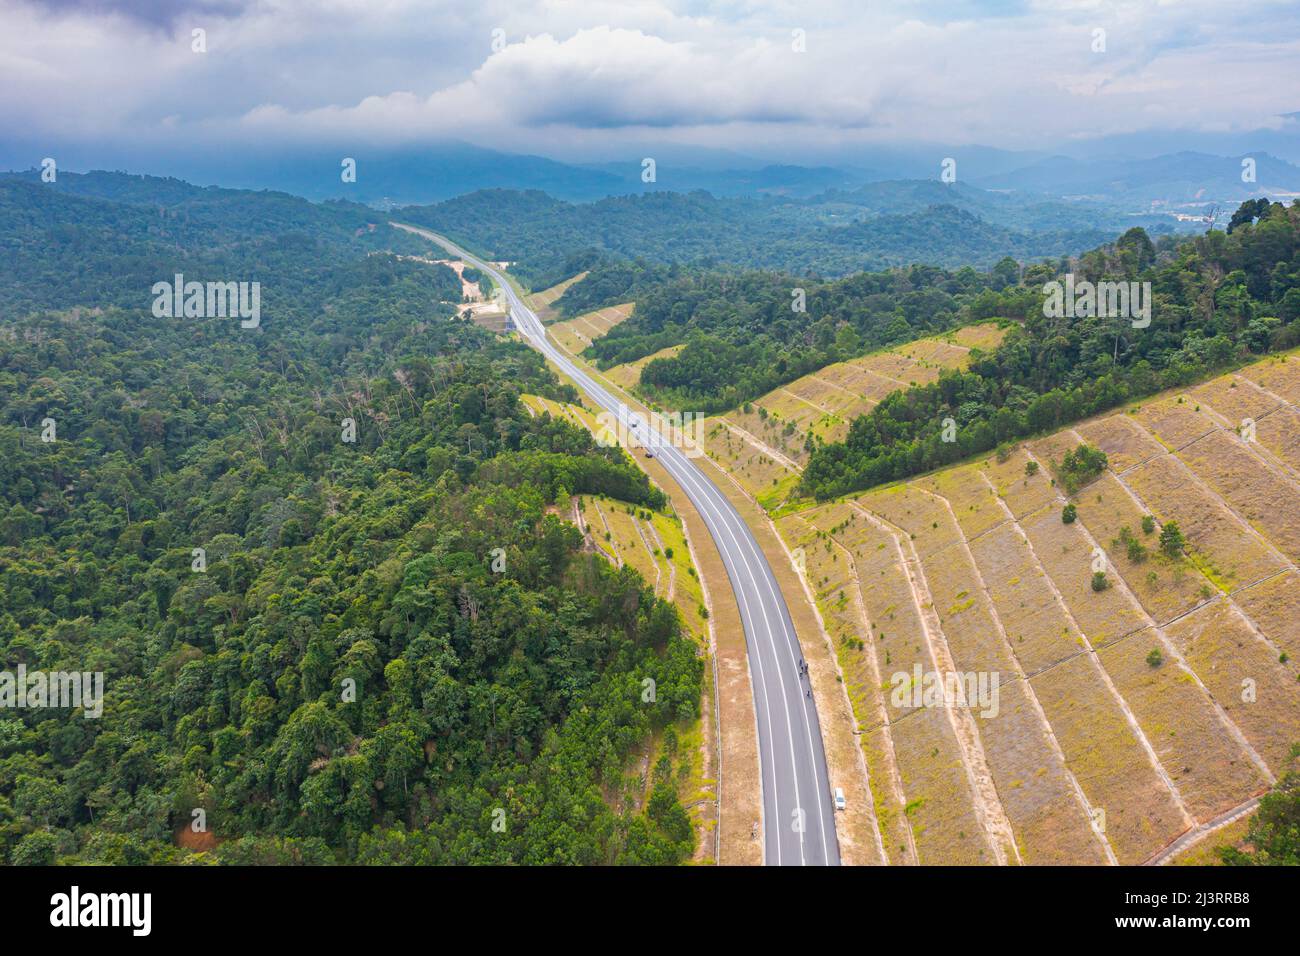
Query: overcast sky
579	79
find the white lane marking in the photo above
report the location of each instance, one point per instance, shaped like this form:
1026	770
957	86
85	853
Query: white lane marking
790	643
785	702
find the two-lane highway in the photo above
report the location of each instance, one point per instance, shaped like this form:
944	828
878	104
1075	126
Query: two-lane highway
798	815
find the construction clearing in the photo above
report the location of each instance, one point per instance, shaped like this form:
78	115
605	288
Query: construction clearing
577	333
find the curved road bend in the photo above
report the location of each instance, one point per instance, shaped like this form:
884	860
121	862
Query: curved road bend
795	783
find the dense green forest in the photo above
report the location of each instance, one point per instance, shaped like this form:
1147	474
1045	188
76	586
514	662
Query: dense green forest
310	639
832	235
1218	299
56	237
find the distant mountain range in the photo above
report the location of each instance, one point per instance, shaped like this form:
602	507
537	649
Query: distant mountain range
1172	180
550	239
431	175
1178	184
1026	211
772	180
803	219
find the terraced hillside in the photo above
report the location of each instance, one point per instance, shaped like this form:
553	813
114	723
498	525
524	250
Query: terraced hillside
763	444
577	333
1147	692
577	414
543	302
652	542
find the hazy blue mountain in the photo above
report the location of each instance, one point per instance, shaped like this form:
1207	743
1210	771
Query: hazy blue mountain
397	176
770	180
1026	211
919	160
432	174
1173	178
1282	141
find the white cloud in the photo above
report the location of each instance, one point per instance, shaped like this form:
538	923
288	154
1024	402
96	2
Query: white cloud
585	72
600	78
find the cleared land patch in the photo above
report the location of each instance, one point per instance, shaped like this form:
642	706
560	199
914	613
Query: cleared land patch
1040	633
1173	420
628	375
760	473
1279	433
1222	545
1279	375
1023	492
1235	398
576	414
1165	587
543	302
824	403
1243	672
577	333
1126	444
1274	605
1211	771
1268	501
1136	807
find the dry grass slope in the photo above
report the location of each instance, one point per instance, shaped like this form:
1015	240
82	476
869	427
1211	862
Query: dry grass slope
543	302
1127	717
763	444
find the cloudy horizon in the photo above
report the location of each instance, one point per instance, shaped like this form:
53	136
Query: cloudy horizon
591	81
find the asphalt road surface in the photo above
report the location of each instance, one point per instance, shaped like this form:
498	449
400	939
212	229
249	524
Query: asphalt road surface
798	826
